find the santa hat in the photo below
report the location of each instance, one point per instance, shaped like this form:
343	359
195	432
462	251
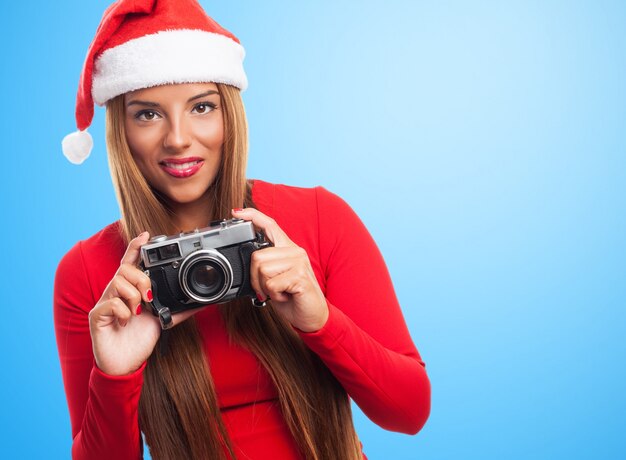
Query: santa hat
145	43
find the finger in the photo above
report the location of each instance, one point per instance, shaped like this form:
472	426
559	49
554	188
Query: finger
109	311
131	256
262	269
276	253
138	279
273	232
281	286
127	292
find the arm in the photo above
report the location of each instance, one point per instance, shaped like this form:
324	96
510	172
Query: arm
365	342
103	408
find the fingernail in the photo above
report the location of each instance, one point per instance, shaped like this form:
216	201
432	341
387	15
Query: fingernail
149	295
260	297
138	311
237	209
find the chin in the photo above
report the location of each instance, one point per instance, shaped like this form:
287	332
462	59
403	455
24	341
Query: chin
185	195
185	198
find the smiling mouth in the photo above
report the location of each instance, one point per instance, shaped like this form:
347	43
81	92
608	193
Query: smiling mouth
180	166
181	169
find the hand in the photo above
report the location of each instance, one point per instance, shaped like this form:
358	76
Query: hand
284	274
122	337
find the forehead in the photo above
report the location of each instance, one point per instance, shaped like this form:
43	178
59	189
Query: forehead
182	91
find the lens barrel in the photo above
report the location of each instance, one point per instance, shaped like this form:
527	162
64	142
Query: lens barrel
206	276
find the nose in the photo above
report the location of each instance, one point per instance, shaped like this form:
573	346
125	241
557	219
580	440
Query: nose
178	135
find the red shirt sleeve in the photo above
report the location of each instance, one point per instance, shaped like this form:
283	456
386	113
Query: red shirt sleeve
365	342
103	408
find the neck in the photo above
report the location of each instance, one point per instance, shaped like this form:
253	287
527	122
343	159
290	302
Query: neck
189	216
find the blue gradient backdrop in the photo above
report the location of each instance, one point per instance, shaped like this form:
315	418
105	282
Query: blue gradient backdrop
482	143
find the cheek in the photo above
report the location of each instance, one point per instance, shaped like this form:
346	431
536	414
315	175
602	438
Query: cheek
141	142
210	134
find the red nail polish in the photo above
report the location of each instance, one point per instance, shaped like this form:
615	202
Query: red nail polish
260	297
138	311
238	209
149	295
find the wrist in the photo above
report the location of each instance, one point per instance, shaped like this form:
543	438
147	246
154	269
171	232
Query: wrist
317	323
117	384
118	372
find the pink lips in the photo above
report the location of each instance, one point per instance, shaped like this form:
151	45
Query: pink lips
182	167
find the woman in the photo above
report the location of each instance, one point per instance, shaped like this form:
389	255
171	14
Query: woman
236	381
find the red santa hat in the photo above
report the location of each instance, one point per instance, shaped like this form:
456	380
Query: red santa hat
145	43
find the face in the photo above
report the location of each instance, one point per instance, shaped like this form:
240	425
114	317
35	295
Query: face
175	134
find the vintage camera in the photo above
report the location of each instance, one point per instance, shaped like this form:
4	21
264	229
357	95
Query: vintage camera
207	266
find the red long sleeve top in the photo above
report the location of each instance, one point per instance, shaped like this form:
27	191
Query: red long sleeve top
365	342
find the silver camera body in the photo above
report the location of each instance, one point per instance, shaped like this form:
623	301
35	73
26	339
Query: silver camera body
206	266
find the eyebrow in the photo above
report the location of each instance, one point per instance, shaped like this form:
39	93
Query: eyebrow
154	104
207	93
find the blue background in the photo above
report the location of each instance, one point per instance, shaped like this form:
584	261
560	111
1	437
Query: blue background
482	143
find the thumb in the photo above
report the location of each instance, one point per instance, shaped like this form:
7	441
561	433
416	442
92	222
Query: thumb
131	256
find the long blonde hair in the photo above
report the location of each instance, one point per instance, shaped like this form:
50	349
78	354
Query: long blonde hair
178	409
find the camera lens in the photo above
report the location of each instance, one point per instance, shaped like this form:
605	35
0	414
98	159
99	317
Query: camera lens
205	278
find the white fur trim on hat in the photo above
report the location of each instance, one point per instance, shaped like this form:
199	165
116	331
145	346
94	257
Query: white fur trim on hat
172	56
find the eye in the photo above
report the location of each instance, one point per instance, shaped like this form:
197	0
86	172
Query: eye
146	115
204	107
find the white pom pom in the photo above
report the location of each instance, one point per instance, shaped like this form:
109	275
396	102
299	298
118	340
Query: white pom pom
77	146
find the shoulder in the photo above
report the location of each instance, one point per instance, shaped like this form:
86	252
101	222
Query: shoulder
101	250
106	242
97	245
270	198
